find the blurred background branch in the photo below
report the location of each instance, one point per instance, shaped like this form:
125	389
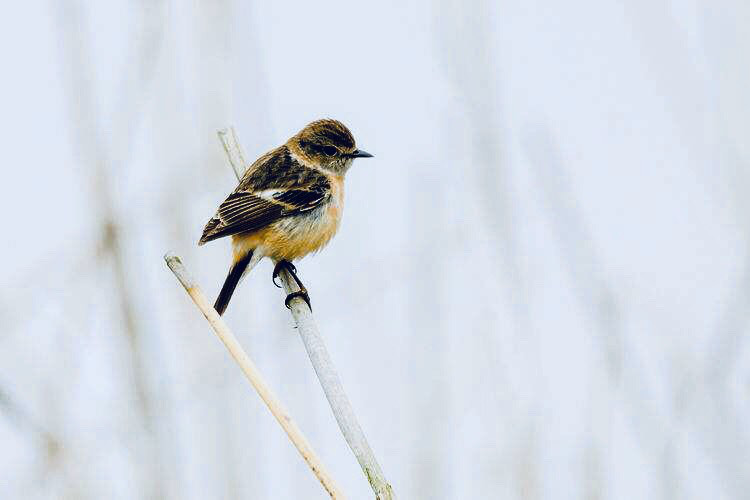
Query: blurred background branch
20	417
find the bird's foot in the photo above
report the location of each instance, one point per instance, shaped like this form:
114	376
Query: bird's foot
302	294
281	265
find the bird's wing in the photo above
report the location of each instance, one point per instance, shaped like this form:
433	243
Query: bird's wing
276	188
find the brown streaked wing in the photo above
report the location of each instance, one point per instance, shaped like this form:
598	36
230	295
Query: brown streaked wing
278	169
244	212
300	189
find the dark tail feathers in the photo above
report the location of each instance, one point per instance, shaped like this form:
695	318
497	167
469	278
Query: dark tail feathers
235	273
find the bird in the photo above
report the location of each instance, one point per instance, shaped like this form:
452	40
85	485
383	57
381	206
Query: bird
288	204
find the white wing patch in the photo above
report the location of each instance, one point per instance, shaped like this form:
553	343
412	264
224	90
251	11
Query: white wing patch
268	194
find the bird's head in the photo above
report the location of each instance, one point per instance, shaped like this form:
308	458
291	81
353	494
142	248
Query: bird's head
327	144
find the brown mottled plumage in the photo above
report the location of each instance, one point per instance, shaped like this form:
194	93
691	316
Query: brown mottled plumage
288	203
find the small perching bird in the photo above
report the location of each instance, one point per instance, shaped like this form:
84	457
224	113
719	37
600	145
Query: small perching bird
288	203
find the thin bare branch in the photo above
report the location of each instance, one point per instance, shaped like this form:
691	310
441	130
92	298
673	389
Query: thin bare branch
232	148
253	375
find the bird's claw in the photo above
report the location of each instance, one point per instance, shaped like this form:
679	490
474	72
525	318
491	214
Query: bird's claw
279	266
302	294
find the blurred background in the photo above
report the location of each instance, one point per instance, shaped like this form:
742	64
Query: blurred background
540	289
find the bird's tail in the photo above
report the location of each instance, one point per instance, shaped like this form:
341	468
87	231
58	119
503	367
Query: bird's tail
233	278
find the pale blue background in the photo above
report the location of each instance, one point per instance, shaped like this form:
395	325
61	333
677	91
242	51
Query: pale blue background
540	289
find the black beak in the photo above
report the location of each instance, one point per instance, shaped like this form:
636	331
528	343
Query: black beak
358	153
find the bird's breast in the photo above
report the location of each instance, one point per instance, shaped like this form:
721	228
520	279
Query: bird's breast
294	237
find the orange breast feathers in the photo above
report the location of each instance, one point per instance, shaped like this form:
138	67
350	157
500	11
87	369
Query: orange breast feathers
294	237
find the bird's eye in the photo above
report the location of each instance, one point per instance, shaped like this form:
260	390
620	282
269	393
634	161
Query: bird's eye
330	150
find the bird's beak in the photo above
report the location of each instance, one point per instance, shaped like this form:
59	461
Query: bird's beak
358	153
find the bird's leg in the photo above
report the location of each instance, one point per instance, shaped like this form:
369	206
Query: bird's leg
302	292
